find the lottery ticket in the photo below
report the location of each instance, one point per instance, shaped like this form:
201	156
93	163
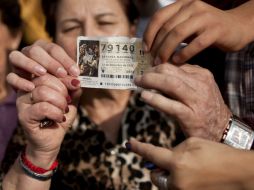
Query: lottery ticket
111	62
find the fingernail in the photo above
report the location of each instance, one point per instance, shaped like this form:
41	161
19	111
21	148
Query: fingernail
150	166
29	87
61	72
146	95
64	118
74	70
68	99
24	48
157	61
40	70
145	47
128	146
67	109
75	83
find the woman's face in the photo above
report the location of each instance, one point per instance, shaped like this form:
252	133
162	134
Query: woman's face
89	18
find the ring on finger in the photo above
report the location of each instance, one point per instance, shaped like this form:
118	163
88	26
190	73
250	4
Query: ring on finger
162	182
31	97
46	123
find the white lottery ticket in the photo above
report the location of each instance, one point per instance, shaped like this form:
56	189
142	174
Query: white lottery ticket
111	62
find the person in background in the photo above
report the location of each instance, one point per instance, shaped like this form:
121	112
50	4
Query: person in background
34	21
90	152
10	35
189	93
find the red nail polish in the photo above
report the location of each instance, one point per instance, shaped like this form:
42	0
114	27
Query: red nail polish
68	99
64	118
75	82
67	109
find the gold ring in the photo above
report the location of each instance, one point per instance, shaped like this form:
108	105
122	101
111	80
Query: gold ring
31	97
162	181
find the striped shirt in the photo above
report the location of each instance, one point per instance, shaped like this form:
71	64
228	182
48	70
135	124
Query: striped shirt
239	78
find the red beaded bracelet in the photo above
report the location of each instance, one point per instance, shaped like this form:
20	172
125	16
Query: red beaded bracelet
34	168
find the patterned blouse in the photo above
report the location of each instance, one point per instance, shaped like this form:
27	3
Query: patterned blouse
89	161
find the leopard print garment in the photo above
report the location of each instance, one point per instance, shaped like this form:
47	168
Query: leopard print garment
89	161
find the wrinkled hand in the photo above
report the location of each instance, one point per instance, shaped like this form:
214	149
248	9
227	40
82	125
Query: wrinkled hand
37	60
200	24
196	164
50	99
189	94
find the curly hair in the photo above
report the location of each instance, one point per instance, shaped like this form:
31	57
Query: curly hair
10	15
50	6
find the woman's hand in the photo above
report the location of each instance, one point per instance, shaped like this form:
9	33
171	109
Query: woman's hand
49	99
190	94
200	25
198	164
37	60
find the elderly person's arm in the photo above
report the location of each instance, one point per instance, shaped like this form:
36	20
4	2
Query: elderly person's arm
190	94
51	99
16	179
199	164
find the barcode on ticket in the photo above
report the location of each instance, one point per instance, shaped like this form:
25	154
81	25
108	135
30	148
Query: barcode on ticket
117	76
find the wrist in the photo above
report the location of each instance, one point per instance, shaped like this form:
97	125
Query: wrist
225	118
244	15
34	171
41	158
245	176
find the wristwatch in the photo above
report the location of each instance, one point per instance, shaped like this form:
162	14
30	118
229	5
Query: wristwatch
238	134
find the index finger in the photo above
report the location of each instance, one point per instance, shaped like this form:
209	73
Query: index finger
61	56
157	21
161	157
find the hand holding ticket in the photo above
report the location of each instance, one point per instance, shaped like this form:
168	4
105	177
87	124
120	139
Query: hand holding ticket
111	62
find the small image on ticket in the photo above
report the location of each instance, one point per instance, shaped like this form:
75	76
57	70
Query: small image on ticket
111	62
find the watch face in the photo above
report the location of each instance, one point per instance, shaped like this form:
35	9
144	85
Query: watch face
239	135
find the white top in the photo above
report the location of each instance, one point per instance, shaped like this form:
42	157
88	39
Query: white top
143	21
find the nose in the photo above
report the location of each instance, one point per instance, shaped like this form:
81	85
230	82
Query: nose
90	28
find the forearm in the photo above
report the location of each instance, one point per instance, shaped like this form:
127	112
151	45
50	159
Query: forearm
245	14
16	179
239	169
246	171
232	170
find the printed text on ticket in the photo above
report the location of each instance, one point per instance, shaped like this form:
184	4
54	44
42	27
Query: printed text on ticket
111	62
